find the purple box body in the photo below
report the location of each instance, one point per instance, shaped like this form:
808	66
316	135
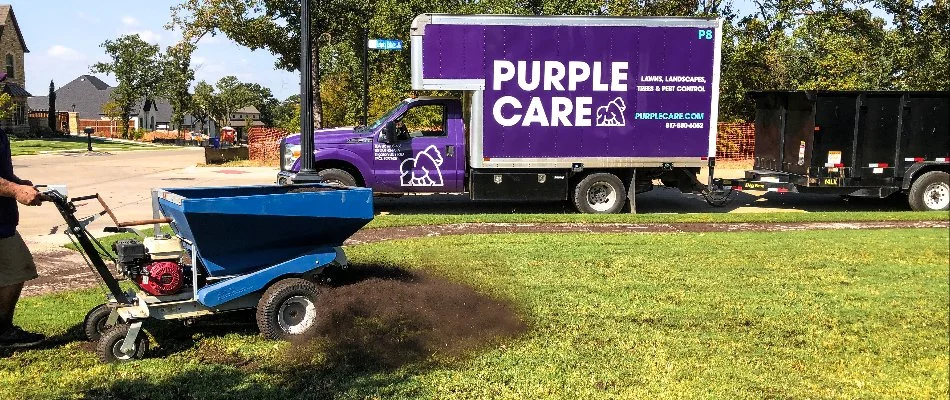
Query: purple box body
584	91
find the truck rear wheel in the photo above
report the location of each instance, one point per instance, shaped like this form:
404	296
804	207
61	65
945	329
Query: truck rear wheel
930	192
339	177
600	193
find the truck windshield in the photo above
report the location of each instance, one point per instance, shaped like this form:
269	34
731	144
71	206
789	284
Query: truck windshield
382	120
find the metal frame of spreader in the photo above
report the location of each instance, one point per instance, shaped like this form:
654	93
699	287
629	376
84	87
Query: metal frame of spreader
134	306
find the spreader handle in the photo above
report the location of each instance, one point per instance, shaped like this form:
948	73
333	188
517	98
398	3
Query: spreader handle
144	222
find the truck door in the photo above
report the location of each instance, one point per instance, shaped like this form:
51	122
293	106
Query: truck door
425	157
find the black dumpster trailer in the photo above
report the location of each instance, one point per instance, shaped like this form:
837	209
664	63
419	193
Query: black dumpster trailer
865	144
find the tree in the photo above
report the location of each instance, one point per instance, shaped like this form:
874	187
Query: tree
264	101
203	104
6	106
177	77
274	25
231	96
137	67
51	114
113	111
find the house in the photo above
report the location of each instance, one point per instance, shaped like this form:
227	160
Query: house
12	50
86	95
241	117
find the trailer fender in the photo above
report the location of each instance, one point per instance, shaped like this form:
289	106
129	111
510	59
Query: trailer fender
920	168
222	292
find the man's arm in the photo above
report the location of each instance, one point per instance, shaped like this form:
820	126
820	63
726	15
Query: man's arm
25	194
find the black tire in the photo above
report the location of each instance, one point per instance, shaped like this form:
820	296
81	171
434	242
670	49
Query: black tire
600	193
94	325
337	176
288	309
109	345
930	192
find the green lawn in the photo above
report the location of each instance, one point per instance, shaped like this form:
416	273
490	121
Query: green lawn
26	147
390	221
383	221
820	314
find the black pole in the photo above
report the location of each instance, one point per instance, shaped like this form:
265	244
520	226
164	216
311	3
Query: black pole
306	90
365	76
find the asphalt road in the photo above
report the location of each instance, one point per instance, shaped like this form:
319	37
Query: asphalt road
123	179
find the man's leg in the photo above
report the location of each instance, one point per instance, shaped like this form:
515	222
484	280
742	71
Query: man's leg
9	295
16	267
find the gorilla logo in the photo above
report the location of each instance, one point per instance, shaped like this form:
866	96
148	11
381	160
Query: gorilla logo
423	170
612	113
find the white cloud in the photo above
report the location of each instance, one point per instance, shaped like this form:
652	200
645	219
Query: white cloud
64	53
130	21
148	36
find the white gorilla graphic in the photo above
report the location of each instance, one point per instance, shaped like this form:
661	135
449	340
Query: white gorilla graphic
423	170
612	113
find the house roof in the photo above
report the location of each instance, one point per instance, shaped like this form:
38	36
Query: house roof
88	94
7	10
14	90
247	110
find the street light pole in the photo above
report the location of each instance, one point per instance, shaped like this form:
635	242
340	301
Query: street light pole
364	119
307	173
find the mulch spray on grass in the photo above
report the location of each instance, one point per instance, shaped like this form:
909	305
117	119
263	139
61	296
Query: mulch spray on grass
380	318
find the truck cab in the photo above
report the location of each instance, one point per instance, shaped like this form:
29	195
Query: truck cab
416	147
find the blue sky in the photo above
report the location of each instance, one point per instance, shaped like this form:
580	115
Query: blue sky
64	37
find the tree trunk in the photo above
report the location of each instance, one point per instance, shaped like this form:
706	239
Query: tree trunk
315	78
126	114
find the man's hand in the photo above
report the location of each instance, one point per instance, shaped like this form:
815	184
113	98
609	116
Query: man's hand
28	195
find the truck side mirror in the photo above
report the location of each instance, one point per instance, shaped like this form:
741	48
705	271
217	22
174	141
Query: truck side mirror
389	132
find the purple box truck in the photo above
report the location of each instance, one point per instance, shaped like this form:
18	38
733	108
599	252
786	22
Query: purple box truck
586	109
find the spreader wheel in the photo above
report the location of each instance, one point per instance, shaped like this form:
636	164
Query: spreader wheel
110	345
288	309
96	322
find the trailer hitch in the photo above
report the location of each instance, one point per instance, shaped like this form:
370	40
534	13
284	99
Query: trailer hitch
716	194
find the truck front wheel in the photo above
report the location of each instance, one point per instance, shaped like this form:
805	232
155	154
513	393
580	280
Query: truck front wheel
337	177
600	193
930	192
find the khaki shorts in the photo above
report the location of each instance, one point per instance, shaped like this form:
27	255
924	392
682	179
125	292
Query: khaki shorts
16	262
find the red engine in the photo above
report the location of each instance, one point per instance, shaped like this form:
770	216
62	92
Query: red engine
161	278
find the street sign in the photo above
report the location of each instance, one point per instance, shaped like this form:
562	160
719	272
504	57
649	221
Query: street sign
385	44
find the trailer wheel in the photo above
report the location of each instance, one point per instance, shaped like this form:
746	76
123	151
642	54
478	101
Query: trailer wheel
288	309
600	193
110	346
95	323
337	177
930	192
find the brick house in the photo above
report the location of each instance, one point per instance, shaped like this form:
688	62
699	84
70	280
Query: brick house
12	50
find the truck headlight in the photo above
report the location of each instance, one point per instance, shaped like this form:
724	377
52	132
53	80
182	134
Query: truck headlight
289	154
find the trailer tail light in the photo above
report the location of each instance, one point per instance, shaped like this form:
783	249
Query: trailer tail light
877	165
941	159
914	159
